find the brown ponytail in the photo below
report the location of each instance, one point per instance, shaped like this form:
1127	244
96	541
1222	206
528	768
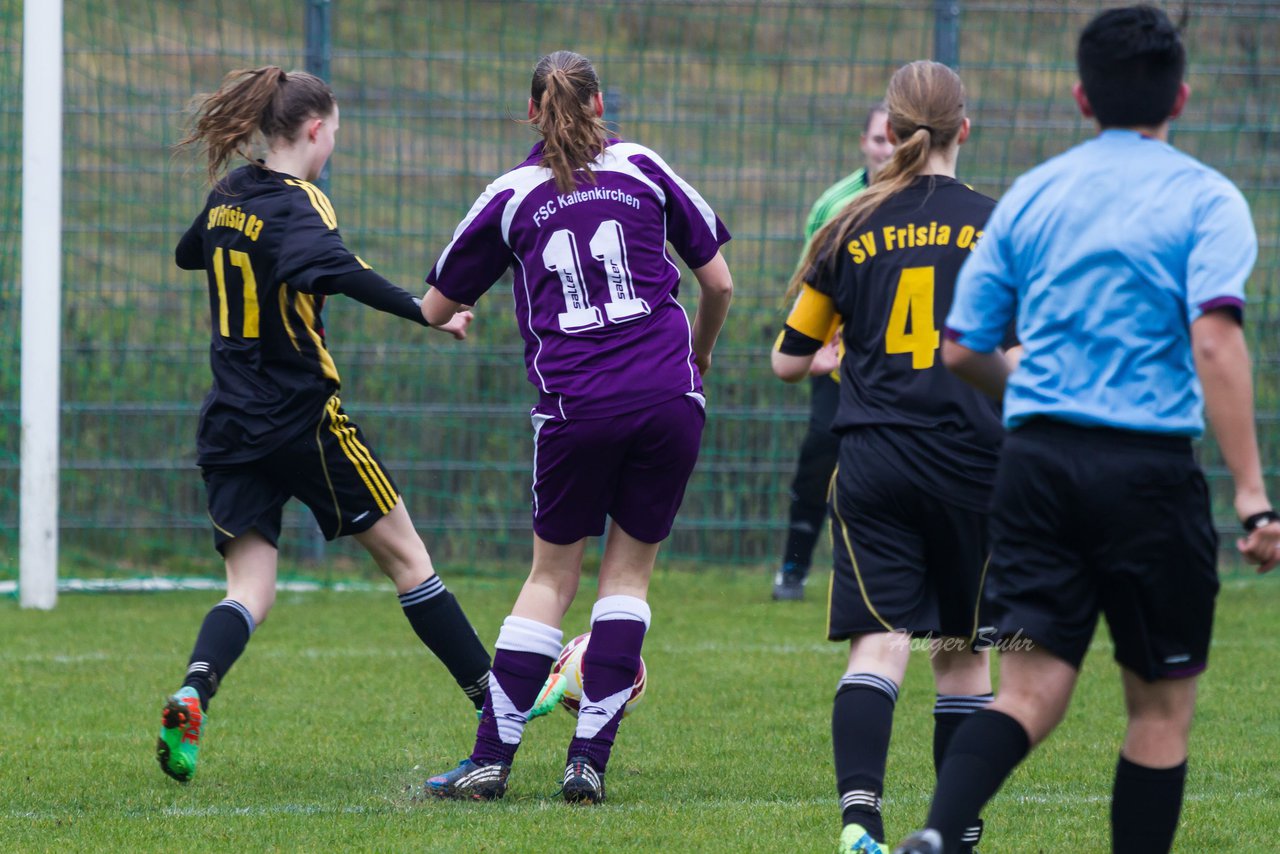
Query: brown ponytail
253	101
925	106
563	90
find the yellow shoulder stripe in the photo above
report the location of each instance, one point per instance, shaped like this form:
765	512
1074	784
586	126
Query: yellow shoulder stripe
814	315
319	201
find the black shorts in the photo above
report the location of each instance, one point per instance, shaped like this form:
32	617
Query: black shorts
906	559
329	468
1092	520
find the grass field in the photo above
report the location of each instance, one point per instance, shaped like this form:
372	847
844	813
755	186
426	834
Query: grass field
327	726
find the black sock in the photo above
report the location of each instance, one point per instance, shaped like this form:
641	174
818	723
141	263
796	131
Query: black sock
801	540
803	531
949	712
861	722
437	618
982	753
222	638
1144	807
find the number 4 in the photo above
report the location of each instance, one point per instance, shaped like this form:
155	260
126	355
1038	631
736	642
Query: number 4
913	302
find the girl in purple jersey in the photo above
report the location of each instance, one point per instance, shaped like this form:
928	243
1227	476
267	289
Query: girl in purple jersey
583	223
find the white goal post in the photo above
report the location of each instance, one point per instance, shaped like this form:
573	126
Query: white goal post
41	301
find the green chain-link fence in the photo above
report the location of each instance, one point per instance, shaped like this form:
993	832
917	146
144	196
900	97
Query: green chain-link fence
758	104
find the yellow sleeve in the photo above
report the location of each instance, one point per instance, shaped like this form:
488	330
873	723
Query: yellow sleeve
814	315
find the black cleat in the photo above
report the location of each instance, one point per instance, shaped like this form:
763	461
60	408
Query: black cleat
788	586
926	841
583	784
470	781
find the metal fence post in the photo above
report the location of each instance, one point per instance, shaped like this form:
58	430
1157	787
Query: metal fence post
319	51
946	32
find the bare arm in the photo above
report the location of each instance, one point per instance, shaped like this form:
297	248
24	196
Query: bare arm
987	372
790	369
799	351
445	314
715	294
1222	363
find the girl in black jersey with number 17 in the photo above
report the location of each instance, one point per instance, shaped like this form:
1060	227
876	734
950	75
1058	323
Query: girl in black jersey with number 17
272	427
917	446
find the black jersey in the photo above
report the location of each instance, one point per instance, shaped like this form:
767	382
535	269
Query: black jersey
892	285
265	240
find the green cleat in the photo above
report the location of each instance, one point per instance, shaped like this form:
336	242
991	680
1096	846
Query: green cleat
552	691
854	839
179	741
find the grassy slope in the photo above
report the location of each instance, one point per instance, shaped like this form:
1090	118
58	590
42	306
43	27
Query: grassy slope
335	715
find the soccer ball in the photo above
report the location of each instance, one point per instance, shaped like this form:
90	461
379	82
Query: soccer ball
568	671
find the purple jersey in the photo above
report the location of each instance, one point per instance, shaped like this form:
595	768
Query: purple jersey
595	291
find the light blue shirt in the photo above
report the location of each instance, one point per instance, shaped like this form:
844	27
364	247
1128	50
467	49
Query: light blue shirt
1105	255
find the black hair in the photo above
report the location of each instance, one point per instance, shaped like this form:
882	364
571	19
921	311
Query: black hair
1131	63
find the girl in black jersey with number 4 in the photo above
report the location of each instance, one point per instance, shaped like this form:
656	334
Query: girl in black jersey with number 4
272	427
918	446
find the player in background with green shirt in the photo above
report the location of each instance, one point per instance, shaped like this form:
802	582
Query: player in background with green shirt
820	446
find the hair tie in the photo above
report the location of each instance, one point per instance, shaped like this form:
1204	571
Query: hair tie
924	127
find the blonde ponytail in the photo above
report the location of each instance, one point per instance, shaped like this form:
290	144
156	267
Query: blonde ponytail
925	107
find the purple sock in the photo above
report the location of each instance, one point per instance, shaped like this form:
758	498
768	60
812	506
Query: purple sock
609	669
514	684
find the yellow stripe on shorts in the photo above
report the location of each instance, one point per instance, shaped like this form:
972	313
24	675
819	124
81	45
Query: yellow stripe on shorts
373	477
857	574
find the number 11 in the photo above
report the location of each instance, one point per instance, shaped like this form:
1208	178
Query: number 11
608	246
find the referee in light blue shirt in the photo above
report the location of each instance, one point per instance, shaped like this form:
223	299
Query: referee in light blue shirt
1123	262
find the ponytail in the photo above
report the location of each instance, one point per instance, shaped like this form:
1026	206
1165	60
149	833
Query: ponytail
925	106
563	92
252	101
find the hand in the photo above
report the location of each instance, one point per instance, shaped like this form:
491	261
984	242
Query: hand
457	325
1261	547
703	363
825	360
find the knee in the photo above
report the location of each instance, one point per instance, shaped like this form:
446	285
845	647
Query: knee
1038	713
1157	741
258	601
883	653
562	581
1164	723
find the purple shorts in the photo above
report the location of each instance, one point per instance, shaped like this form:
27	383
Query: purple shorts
632	467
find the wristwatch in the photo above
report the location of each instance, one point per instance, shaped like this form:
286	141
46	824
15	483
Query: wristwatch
1257	520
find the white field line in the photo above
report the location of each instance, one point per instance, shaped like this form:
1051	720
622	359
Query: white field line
915	800
166	585
412	650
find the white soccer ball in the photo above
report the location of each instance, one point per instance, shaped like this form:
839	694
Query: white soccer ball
568	668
